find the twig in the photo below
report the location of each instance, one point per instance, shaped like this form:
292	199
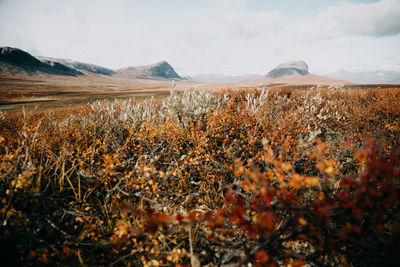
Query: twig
58	229
192	263
126	256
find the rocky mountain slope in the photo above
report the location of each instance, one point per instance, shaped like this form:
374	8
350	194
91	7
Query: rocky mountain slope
161	70
291	73
14	61
290	68
79	66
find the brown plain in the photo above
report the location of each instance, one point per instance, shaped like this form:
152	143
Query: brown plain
49	91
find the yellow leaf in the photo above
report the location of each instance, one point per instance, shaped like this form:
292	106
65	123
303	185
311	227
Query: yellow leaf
286	166
302	222
311	181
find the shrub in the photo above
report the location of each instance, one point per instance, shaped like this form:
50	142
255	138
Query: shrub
189	107
261	177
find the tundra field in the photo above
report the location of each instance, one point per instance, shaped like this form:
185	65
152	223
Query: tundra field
279	176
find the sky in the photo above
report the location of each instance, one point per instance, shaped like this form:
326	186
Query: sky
232	37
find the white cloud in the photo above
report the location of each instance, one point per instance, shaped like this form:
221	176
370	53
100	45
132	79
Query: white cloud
372	19
376	19
252	24
226	36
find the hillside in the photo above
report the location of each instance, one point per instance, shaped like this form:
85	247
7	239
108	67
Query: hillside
290	68
291	73
85	68
17	61
160	70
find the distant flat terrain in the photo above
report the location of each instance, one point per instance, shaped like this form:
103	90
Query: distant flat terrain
51	90
55	90
48	91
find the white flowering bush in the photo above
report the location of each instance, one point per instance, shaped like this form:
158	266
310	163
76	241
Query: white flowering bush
256	102
318	109
125	112
190	106
186	108
2	115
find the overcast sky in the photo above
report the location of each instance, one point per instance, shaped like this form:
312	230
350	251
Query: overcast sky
208	36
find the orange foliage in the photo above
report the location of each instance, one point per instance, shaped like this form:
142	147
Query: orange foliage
294	177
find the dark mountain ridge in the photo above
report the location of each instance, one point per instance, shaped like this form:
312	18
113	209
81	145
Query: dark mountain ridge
79	66
15	60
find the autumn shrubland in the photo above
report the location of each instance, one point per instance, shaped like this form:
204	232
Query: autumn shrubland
267	177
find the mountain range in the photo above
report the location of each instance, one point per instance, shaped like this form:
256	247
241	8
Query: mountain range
16	61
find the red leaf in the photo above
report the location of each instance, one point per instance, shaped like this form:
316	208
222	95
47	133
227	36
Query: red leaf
357	229
160	217
322	209
261	256
268	198
229	197
379	228
208	215
192	216
179	218
343	196
346	182
298	263
236	215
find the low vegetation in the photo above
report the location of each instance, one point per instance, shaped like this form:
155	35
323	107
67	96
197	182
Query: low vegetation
259	177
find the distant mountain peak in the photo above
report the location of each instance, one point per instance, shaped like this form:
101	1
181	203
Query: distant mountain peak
290	68
164	70
161	63
159	70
